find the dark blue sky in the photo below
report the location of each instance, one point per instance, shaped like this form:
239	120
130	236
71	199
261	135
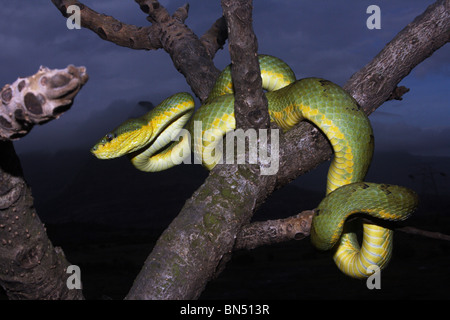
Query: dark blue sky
325	38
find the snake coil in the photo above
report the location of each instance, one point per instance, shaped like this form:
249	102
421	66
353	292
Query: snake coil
148	142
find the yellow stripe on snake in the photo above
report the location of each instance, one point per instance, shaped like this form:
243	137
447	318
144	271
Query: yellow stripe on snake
148	141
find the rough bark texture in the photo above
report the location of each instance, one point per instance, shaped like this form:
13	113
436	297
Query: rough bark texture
250	107
215	38
110	29
372	85
37	99
195	237
274	231
189	55
30	267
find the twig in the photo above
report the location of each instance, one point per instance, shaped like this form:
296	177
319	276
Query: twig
424	233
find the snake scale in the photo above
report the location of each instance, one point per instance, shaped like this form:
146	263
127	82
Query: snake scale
148	142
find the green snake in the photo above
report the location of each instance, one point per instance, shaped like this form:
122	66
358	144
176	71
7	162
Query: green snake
149	142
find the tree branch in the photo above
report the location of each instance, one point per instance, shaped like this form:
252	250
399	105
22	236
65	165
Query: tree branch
38	99
188	54
195	242
250	107
304	147
111	29
274	231
30	267
215	38
424	233
372	85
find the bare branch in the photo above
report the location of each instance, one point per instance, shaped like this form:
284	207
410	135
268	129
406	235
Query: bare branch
215	38
274	231
424	233
188	54
181	13
202	233
250	107
111	29
304	147
30	267
37	99
372	85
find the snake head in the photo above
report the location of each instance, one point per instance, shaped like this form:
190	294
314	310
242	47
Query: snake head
130	136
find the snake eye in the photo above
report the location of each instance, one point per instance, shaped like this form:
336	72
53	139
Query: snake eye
110	136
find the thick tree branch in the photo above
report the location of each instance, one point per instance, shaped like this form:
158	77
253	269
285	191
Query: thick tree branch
250	107
195	239
215	38
37	99
373	85
305	147
188	54
30	267
111	29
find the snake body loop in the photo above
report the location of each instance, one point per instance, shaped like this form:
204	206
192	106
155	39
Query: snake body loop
149	142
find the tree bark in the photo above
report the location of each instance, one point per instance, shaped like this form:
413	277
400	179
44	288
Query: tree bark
38	99
250	107
113	30
372	85
190	57
30	267
274	231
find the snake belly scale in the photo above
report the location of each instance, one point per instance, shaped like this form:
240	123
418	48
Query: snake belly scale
148	141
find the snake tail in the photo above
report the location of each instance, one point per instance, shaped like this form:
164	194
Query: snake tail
388	202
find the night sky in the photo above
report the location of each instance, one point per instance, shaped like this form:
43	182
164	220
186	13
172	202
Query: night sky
326	39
